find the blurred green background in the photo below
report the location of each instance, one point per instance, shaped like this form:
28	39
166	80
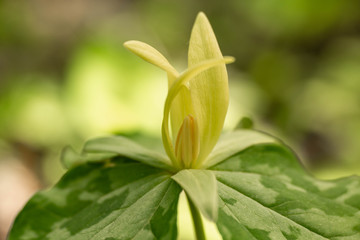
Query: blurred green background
65	77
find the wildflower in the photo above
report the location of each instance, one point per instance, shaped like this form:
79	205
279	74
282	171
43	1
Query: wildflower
197	99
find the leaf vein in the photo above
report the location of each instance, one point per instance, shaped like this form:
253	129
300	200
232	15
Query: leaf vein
271	210
109	224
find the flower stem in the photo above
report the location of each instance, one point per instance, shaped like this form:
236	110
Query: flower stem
198	225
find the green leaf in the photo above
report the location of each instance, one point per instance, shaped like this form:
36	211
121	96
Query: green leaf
235	142
254	186
70	158
127	148
201	188
245	123
264	193
120	199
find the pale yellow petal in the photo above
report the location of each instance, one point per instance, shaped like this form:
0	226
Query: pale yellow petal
173	93
181	104
180	108
209	90
153	56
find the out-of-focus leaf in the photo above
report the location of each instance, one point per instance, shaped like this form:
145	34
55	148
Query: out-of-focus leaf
70	158
245	123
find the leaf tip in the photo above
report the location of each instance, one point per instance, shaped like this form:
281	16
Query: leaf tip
245	123
69	157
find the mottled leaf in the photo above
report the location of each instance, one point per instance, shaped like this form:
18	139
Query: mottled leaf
200	186
125	147
235	142
70	158
264	193
117	199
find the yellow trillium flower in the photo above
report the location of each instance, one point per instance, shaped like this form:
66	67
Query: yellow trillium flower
197	99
